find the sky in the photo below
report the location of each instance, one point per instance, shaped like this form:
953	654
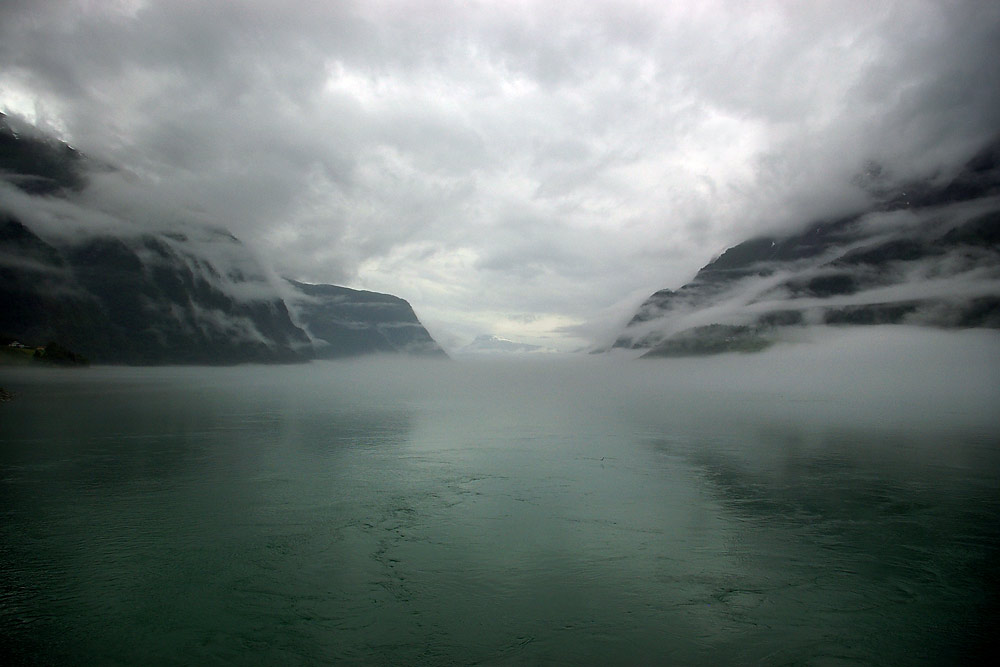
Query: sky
532	170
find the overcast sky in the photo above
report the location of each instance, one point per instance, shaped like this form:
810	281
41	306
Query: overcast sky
528	169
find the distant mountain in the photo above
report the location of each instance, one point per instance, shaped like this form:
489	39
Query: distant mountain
926	254
344	322
490	344
122	293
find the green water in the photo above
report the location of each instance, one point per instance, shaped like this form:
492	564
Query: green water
490	514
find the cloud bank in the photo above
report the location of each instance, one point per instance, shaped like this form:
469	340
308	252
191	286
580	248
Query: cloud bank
529	169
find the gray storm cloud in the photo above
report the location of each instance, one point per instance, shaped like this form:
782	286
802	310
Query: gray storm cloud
530	170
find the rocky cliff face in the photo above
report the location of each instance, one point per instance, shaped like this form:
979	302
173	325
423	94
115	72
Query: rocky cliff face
190	294
925	254
147	299
345	322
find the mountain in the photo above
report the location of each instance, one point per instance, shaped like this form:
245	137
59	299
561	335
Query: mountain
345	322
151	298
120	292
490	344
926	253
38	164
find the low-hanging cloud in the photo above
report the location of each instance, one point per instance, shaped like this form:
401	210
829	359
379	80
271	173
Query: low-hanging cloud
491	161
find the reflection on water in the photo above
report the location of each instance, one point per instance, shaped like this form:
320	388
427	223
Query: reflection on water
848	552
486	514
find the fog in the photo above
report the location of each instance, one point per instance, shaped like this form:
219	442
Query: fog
582	157
830	496
892	377
525	175
887	376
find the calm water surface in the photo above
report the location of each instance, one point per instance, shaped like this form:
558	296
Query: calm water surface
589	513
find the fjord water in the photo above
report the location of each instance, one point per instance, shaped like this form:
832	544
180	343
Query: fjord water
821	503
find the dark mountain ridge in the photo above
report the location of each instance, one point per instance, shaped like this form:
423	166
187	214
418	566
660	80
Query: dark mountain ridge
136	300
189	294
36	163
926	253
346	322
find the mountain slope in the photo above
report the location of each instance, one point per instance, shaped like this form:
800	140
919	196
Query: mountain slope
36	163
118	291
345	322
147	299
926	254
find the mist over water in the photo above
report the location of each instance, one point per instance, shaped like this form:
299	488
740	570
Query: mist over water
829	501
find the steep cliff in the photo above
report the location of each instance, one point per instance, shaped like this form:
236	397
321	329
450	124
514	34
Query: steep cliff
145	299
118	290
344	322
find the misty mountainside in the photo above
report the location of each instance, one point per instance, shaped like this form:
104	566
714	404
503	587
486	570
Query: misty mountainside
145	299
925	254
39	164
345	322
120	292
489	344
